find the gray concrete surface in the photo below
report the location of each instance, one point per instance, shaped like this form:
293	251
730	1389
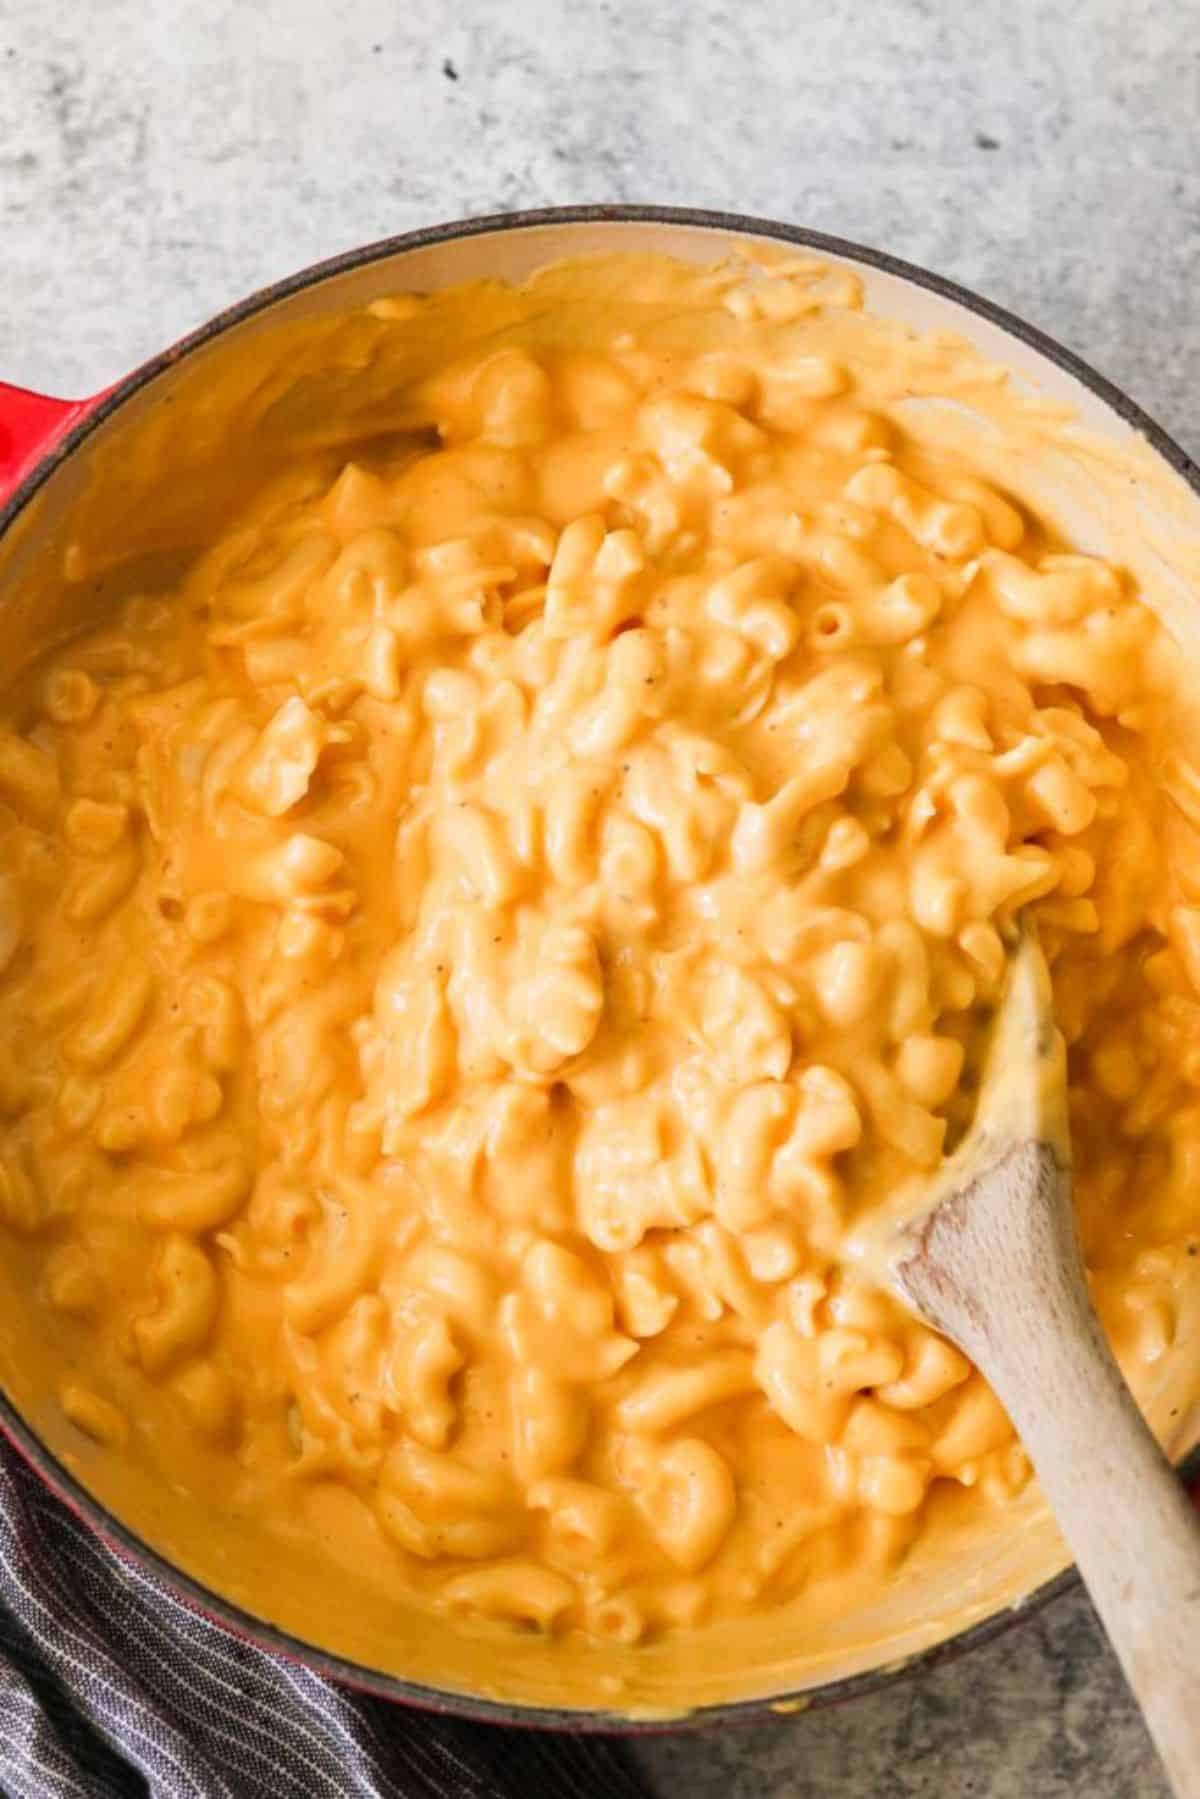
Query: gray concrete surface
159	158
1040	1713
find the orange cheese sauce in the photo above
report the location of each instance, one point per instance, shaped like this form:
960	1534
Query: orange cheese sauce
476	948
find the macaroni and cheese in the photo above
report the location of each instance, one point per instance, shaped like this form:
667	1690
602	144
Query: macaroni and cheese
476	948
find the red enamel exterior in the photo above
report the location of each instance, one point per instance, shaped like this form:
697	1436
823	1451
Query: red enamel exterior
30	426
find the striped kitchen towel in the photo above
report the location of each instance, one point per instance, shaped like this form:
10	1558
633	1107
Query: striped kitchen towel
110	1686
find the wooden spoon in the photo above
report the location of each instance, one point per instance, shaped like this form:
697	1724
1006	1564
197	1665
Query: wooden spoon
994	1264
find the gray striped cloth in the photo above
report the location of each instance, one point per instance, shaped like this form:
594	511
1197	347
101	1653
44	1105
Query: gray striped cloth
110	1686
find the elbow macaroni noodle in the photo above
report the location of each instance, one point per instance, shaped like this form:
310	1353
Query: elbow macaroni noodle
474	951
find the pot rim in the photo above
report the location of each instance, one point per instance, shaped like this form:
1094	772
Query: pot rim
50	1469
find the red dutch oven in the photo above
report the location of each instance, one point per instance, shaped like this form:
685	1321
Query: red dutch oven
44	445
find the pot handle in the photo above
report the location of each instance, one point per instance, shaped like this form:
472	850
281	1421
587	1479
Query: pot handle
30	425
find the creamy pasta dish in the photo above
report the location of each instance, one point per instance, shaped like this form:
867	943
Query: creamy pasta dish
479	943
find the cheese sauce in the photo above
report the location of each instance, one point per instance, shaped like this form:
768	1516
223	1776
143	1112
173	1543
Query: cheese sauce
479	943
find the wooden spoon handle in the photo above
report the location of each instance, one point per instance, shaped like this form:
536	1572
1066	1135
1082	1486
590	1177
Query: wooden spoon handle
1030	1327
1129	1524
